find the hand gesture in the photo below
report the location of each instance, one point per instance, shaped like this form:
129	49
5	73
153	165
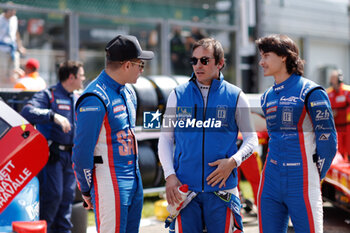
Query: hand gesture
63	122
222	172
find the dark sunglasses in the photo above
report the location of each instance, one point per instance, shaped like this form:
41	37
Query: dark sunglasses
203	60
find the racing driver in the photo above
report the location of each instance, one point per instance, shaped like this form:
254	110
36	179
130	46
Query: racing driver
302	142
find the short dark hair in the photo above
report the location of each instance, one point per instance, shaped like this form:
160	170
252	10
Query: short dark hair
283	46
211	42
68	67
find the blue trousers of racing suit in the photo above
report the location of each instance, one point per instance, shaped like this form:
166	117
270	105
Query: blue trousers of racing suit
57	192
209	212
301	148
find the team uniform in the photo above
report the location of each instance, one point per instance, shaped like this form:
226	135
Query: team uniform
57	182
301	148
196	147
340	101
31	82
105	155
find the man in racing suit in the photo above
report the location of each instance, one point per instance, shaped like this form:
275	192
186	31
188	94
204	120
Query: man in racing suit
339	95
302	141
206	157
105	149
52	110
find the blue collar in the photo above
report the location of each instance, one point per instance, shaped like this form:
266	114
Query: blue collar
61	89
107	80
287	84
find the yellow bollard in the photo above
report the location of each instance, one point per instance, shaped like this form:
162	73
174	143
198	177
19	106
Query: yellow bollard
160	210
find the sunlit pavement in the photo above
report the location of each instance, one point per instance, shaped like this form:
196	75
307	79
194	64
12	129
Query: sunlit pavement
146	225
335	221
152	225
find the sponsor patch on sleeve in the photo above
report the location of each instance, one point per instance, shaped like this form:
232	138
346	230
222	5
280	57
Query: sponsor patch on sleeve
318	103
90	109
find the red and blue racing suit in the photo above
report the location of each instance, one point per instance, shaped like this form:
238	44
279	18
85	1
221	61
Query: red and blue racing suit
301	148
105	155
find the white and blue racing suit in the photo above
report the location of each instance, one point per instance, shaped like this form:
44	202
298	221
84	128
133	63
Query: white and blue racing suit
105	155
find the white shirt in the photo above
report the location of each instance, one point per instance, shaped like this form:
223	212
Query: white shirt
8	31
243	121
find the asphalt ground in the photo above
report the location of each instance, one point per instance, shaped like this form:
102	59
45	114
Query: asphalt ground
335	221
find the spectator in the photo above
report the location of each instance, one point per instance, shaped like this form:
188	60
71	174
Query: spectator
196	33
206	158
178	51
339	95
52	110
31	81
302	141
10	43
105	155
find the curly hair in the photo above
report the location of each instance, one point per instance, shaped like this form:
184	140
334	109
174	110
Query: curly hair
283	46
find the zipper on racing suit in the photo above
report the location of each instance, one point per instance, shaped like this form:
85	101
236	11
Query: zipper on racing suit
204	113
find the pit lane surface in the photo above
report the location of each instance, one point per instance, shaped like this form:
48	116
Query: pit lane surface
335	221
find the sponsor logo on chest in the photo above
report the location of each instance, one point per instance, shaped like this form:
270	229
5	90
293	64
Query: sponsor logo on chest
291	100
279	88
63	101
116	101
287	115
64	107
119	108
271	110
221	113
182	113
274	102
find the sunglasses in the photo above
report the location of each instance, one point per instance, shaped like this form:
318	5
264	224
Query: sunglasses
141	64
203	60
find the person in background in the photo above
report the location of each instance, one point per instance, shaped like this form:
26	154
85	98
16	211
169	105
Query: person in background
105	156
10	45
30	80
206	159
197	33
178	51
339	95
302	141
52	111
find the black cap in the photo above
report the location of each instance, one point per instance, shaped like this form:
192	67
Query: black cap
126	47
